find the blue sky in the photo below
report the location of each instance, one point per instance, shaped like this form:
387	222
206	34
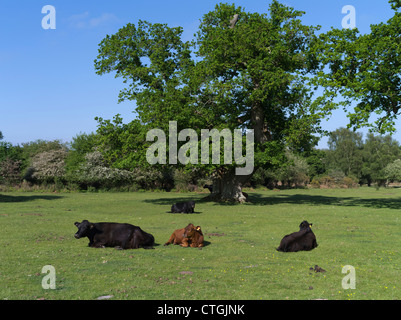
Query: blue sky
48	86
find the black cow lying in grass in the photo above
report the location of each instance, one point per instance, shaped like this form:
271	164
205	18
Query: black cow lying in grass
183	207
303	240
110	234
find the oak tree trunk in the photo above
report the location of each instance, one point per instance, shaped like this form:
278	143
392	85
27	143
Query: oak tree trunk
228	187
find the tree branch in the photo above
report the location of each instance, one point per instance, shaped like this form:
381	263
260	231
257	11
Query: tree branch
233	21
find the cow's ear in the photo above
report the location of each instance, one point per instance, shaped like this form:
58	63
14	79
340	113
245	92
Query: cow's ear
76	223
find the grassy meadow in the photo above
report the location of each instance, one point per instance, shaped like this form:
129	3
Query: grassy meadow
358	227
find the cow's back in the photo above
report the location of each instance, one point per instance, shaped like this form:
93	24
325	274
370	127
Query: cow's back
124	235
112	234
310	241
303	240
141	239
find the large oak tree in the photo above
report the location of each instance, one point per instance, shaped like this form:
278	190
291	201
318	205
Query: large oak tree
243	70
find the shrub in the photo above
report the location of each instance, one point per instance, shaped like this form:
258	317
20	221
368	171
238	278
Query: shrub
350	182
94	173
315	183
47	166
393	171
10	172
183	180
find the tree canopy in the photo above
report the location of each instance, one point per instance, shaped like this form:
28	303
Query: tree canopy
260	71
364	69
242	70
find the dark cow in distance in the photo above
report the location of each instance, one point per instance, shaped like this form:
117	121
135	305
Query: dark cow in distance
183	207
111	234
302	240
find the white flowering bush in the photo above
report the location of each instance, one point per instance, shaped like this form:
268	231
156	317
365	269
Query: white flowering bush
95	173
48	166
393	171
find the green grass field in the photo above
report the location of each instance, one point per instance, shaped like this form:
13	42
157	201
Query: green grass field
358	227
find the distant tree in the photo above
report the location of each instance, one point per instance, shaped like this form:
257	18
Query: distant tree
1	135
316	160
7	150
295	171
10	163
392	171
122	145
345	151
80	145
378	151
10	171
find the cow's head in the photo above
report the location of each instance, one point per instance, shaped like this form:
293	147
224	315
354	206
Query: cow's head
198	229
83	228
189	231
305	225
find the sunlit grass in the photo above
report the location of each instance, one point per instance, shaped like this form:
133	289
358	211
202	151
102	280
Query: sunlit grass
358	227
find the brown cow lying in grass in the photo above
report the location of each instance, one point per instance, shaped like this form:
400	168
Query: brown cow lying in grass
195	237
190	236
303	240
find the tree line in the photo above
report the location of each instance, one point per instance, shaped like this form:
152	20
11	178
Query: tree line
266	72
107	160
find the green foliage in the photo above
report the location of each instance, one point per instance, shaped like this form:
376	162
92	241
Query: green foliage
80	145
153	60
122	145
11	164
395	4
378	152
363	159
8	151
252	73
393	170
10	171
316	159
334	179
243	70
295	171
364	68
345	151
245	76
